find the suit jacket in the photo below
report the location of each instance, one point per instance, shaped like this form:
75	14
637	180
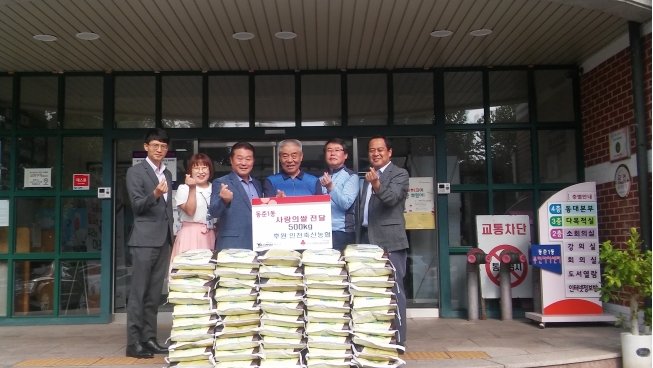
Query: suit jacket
234	219
386	226
152	216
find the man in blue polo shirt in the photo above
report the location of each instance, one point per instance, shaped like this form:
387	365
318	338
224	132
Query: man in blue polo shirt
291	181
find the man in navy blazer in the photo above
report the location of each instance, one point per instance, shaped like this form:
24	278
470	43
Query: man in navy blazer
231	200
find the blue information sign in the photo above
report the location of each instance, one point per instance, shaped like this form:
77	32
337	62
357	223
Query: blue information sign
546	257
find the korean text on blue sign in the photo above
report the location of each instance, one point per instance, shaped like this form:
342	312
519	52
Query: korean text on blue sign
546	257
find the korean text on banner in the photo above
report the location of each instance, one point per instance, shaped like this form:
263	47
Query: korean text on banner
420	209
302	222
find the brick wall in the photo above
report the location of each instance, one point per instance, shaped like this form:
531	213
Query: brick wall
607	105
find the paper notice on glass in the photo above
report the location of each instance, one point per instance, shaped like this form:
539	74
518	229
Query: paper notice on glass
4	213
38	178
420	210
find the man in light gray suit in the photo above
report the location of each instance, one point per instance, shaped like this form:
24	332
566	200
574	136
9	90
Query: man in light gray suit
150	242
382	206
231	200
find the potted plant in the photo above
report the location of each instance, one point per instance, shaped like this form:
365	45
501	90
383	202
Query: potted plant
627	277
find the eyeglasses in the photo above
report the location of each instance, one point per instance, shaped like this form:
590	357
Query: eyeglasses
334	150
201	168
157	146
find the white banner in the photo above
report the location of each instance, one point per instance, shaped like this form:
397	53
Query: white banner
38	178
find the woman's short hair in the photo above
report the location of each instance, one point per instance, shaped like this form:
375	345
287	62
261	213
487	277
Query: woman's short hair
197	160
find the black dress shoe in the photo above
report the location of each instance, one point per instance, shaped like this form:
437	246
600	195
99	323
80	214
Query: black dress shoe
137	351
153	347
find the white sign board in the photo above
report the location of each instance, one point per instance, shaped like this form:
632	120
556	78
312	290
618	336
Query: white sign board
497	234
420	210
302	222
170	161
4	213
619	144
38	178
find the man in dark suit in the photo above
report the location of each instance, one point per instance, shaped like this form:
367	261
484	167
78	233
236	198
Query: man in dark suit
231	200
149	243
382	207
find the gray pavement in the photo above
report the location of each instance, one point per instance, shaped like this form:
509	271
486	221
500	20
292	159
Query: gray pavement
511	344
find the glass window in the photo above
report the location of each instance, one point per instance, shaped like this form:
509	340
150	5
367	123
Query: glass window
37	153
229	101
81	225
35	225
38	103
458	281
463	98
462	210
466	157
545	195
4	282
181	101
4	230
6	100
555	95
84	103
321	100
511	157
79	288
33	288
367	99
275	100
82	155
413	98
515	203
509	97
557	156
5	163
135	102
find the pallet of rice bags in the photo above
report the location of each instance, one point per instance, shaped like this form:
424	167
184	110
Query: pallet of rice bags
330	317
381	328
337	294
283	353
376	341
237	308
374	315
223	331
385	281
223	294
281	296
231	282
191	285
281	363
364	253
329	342
177	297
248	354
237	258
280	257
321	273
327	305
194	259
328	363
368	303
370	268
322	258
239	319
268	284
316	353
338	283
272	342
191	334
281	272
283	320
237	343
281	331
186	355
185	310
242	273
375	353
206	274
378	363
254	363
319	328
285	308
371	291
191	344
195	321
206	363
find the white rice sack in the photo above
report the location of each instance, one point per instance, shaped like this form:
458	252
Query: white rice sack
191	285
241	354
192	354
327	341
325	273
236	273
282	296
281	363
237	258
281	284
181	310
235	294
193	322
316	353
230	282
272	342
236	308
368	303
376	341
281	257
373	281
373	316
383	328
281	272
283	353
191	334
204	363
281	331
322	258
328	363
337	294
287	308
375	353
194	259
338	317
176	297
240	319
370	268
327	305
191	344
327	284
237	343
371	291
223	331
364	252
318	328
283	320
254	363
378	363
202	274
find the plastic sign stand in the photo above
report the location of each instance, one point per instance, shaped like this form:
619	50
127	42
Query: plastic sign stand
569	219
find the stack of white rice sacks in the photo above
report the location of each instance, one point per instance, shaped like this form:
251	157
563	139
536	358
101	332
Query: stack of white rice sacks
191	286
237	341
374	306
328	313
281	297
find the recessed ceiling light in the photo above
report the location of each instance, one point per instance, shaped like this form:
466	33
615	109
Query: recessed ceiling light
285	35
442	33
243	36
480	32
44	37
88	36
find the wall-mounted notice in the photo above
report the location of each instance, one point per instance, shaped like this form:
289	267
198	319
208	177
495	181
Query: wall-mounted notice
420	212
38	178
4	213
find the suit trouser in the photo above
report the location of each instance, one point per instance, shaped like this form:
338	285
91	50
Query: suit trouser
398	259
149	268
